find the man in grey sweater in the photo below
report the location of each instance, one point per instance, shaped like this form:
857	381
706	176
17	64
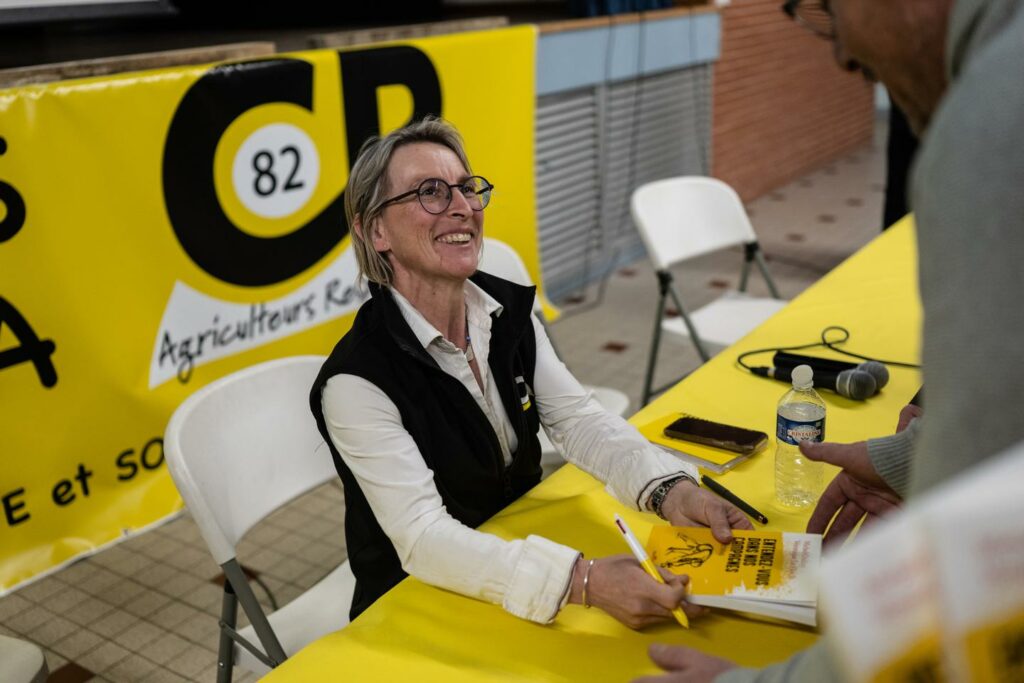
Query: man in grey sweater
955	67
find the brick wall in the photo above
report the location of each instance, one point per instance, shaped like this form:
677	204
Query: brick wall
781	105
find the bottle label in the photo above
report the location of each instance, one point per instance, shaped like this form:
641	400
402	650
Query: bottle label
794	431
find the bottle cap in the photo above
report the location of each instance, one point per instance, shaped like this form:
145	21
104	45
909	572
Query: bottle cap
803	377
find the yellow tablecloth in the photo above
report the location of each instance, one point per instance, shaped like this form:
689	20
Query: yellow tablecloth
420	633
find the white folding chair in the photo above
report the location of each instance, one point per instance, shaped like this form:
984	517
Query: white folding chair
21	661
502	260
683	218
238	449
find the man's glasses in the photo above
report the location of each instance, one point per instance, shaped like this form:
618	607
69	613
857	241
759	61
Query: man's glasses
435	195
814	15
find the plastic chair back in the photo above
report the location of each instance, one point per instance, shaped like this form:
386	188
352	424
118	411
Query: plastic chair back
244	445
21	661
680	218
503	261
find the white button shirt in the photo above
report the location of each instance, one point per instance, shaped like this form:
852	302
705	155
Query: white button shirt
529	578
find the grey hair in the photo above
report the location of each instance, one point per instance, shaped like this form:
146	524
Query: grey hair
368	186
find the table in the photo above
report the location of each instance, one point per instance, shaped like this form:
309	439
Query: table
420	633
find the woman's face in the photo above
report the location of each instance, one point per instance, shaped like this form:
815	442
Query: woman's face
424	248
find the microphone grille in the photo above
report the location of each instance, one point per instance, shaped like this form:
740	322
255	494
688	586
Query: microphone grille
876	370
856	384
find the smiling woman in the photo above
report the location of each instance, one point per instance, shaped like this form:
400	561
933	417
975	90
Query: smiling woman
432	402
372	180
434	242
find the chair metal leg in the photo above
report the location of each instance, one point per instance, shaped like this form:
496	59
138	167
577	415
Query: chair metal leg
655	342
745	272
689	325
226	651
665	289
274	652
752	253
759	258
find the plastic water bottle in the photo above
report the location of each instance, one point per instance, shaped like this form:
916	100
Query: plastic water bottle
801	417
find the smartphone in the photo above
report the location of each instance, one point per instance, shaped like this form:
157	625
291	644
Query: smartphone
716	434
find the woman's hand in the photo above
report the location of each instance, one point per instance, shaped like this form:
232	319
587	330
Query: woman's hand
689	505
621	587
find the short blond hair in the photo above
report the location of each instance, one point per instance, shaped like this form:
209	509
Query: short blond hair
368	186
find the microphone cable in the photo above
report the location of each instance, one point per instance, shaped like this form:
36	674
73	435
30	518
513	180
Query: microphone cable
825	342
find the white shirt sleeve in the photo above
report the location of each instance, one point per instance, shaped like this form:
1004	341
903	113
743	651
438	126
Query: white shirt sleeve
598	442
529	578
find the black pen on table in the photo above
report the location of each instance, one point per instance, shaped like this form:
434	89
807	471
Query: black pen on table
733	498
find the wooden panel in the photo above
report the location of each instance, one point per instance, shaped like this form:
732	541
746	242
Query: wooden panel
106	66
387	33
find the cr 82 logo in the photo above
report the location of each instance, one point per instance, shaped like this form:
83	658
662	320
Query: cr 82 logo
275	170
277	167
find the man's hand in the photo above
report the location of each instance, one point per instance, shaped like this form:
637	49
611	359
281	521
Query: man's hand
689	505
684	665
909	413
856	492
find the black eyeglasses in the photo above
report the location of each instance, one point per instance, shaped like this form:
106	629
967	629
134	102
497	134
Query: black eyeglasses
814	15
435	195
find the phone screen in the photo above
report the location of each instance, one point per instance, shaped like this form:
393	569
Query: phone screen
697	430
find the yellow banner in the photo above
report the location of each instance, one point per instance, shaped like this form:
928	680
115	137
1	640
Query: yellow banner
161	229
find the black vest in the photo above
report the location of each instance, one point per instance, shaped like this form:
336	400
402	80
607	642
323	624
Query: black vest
452	433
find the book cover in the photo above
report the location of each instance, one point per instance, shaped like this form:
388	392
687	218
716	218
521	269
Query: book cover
935	592
771	573
974	532
877	598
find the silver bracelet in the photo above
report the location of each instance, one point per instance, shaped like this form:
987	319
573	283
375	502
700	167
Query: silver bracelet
586	583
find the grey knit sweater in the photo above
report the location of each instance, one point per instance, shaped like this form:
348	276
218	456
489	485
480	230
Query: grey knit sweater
968	199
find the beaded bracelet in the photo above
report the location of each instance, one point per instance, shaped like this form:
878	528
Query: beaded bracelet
586	583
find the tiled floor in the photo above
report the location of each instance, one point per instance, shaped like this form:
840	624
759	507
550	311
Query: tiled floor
805	228
147	609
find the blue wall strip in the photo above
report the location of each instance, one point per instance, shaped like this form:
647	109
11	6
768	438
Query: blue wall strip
575	59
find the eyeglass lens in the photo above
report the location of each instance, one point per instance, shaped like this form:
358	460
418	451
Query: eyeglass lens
435	195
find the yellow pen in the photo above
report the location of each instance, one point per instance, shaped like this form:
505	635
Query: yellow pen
645	562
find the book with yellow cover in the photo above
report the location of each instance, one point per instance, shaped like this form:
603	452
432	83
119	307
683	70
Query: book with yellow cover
935	591
771	573
876	593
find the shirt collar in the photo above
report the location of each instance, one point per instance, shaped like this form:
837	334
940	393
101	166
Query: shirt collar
480	306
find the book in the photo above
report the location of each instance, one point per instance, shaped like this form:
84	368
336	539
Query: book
769	573
975	535
876	592
935	591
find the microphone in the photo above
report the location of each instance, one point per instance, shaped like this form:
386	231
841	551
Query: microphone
784	359
852	383
876	370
